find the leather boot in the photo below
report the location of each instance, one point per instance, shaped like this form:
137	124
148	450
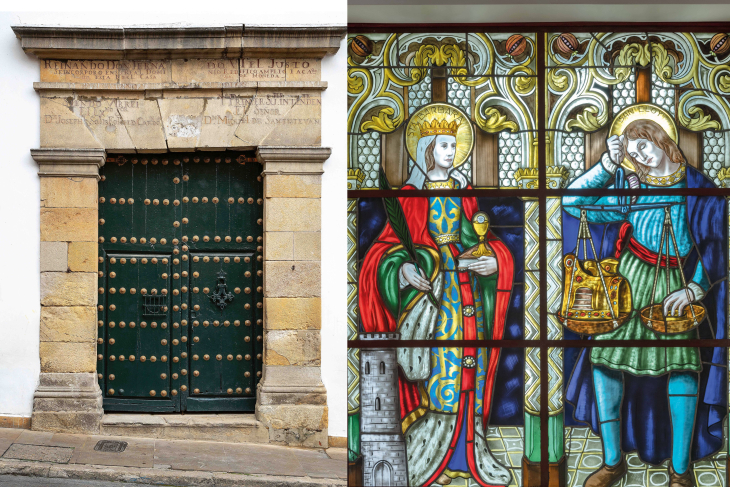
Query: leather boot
443	479
606	476
684	480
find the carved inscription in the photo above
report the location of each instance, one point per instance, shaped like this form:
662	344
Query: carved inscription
271	109
280	69
131	71
103	112
179	71
263	70
83	71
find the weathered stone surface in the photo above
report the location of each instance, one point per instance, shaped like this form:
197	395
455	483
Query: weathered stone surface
292	279
59	192
279	246
289	347
186	71
293	313
293	214
68	324
38	453
68	289
68	357
143	125
292	186
74	163
303	69
282	119
182	119
144	71
67	421
293	377
61	127
289	417
69	224
231	428
307	246
54	256
82	256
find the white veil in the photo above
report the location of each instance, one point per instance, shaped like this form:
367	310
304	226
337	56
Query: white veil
419	175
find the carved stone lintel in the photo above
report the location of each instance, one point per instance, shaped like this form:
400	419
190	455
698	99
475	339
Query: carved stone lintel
292	159
68	402
75	163
155	42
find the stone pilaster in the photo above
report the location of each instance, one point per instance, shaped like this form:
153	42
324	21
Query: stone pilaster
68	397
292	400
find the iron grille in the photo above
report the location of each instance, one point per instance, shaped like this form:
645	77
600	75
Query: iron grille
155	305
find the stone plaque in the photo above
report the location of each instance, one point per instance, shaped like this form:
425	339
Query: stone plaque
82	71
133	71
186	71
263	69
267	69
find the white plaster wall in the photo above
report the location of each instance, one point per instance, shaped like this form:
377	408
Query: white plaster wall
19	190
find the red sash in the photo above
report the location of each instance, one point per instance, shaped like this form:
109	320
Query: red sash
625	240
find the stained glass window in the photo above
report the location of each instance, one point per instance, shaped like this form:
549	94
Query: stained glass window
553	206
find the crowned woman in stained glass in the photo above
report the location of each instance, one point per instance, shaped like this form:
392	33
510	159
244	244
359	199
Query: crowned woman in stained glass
445	392
663	402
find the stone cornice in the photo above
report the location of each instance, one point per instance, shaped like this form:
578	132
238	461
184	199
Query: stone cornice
76	163
292	159
288	153
157	42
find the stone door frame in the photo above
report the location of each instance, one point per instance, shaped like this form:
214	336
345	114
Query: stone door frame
131	91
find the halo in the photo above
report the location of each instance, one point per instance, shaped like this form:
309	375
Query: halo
441	111
645	111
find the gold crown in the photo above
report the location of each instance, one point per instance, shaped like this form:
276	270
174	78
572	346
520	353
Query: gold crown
439	128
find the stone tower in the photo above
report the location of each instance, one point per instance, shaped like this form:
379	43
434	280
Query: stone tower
381	438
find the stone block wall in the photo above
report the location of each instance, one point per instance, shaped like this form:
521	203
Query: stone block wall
68	262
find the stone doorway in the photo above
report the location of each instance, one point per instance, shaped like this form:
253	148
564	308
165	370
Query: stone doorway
149	92
180	310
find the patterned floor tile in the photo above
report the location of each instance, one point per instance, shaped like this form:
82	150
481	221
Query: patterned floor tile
495	444
590	461
516	459
635	478
707	478
657	477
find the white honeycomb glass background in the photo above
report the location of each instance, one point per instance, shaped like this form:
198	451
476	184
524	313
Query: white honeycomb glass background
572	153
368	157
713	154
510	158
662	93
419	95
624	93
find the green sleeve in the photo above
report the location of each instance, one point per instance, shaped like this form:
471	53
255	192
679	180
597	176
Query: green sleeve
388	282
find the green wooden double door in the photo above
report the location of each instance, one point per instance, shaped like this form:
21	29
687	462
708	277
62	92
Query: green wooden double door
180	282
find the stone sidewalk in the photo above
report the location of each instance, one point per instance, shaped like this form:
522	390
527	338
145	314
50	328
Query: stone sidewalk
167	462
